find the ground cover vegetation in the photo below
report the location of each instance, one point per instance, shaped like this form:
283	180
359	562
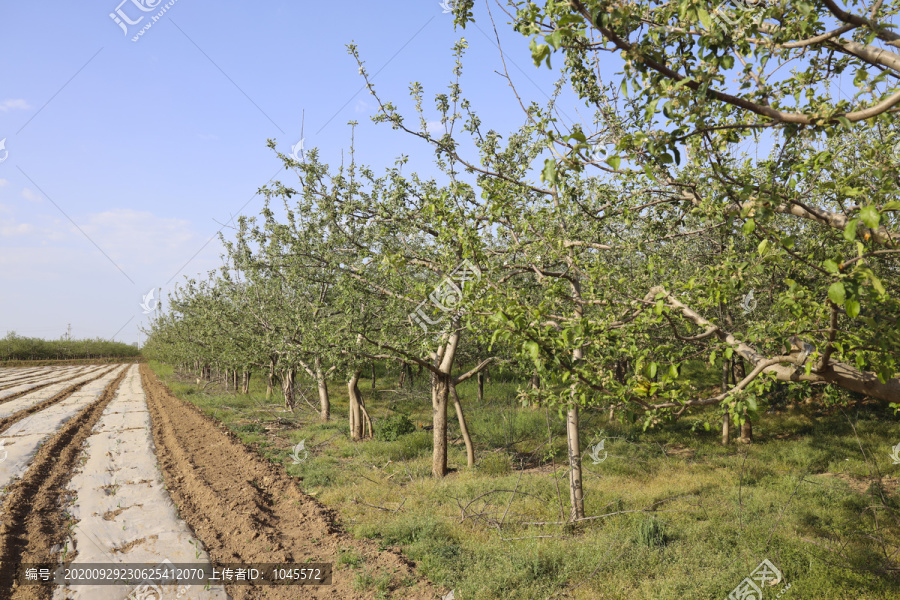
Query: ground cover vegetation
721	242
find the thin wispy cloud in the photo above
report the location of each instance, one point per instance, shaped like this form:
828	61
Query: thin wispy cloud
10	228
30	196
15	104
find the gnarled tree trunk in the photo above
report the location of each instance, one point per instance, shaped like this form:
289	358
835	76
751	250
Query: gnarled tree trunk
287	386
441	382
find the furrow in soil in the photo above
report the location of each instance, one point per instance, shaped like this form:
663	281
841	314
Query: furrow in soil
245	509
123	513
34	527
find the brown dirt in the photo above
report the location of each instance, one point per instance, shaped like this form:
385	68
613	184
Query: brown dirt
32	520
861	484
245	509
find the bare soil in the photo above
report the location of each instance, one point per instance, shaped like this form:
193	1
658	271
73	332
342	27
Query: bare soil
245	509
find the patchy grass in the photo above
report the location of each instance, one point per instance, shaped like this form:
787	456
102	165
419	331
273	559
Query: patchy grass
680	516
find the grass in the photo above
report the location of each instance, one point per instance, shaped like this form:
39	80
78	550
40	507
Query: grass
686	516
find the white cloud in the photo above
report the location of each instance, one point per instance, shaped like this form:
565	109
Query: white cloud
208	136
4	182
361	106
17	104
435	127
31	196
9	228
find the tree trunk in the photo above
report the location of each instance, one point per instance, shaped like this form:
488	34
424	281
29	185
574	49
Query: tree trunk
367	431
324	401
409	375
356	421
576	492
463	428
287	386
373	376
726	429
726	420
402	376
441	381
746	430
234	379
480	386
245	382
440	391
270	377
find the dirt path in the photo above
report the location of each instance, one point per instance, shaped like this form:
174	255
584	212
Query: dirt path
244	509
123	513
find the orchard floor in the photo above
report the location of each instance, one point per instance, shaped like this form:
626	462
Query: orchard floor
677	515
103	463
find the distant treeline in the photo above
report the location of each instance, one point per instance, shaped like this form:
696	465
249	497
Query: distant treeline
16	347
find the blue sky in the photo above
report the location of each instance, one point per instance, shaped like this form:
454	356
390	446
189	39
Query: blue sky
125	158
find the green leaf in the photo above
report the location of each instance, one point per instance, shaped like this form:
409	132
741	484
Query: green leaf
614	162
852	307
891	206
845	122
539	52
836	293
870	216
704	17
876	282
549	172
850	230
749	227
653	368
554	39
763	246
831	266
